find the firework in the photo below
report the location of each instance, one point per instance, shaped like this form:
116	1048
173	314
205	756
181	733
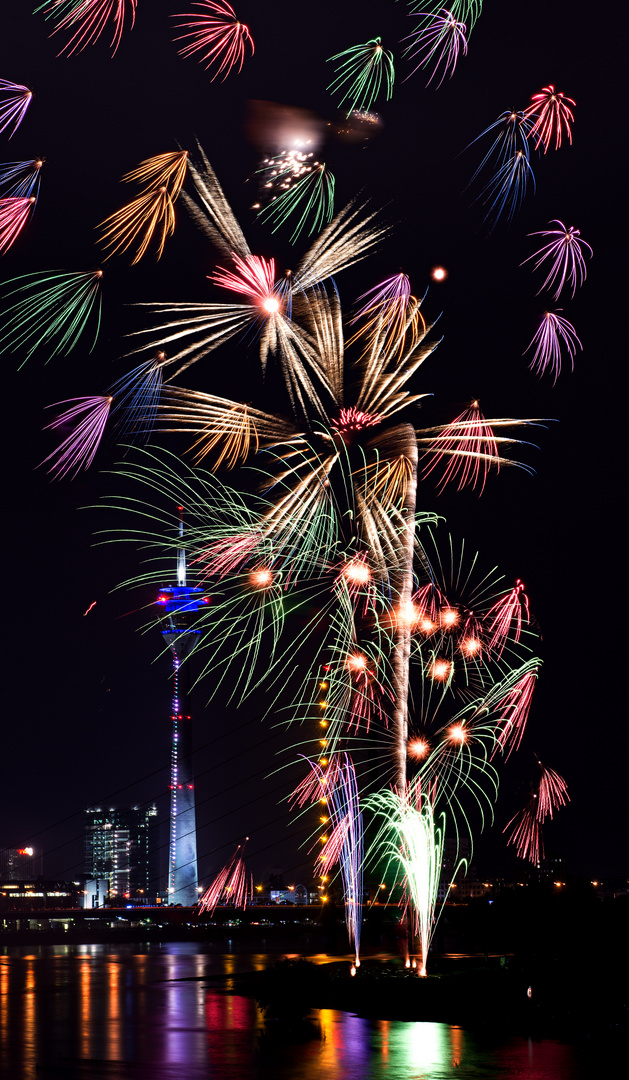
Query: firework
553	334
466	449
467	11
345	844
87	418
217	35
20	179
511	611
551	116
86	20
163	170
411	841
550	794
307	201
566	251
152	215
515	711
14	214
437	44
231	885
149	217
362	73
52	309
14	101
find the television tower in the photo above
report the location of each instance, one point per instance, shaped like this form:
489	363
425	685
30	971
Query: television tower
181	602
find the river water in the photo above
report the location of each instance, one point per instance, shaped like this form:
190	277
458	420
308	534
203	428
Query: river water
161	1012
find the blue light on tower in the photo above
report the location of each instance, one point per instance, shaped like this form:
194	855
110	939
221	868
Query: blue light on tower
181	603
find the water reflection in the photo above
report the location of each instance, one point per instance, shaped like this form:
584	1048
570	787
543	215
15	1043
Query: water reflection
163	1012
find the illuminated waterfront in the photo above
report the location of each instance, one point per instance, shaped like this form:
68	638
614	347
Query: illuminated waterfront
161	1011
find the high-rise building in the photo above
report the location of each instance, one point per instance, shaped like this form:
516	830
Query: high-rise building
121	846
21	864
181	602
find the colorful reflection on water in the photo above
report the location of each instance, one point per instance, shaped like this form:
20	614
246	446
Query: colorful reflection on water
164	1012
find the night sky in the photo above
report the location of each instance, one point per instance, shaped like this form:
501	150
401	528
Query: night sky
86	714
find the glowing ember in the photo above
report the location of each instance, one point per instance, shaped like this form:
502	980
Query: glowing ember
357	572
440	670
470	646
261	579
457	733
417	749
449	617
439	273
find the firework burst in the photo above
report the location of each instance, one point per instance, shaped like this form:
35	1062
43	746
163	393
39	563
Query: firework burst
53	310
14	101
86	20
215	37
551	117
565	251
436	45
552	336
362	73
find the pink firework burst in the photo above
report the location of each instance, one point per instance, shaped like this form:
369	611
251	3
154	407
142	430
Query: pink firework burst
352	419
507	616
87	417
437	45
514	715
550	794
14	101
254	277
86	20
552	116
231	884
14	214
566	251
465	450
217	35
317	785
553	335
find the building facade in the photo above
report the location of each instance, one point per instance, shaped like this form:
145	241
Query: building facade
121	846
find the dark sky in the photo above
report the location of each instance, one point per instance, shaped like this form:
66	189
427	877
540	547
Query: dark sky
88	697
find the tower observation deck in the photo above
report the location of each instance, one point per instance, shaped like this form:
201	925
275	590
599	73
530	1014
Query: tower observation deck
180	603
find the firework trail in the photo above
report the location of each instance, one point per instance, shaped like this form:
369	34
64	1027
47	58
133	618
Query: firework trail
565	250
306	199
14	214
550	794
465	450
512	610
20	179
411	842
152	215
218	35
551	117
52	309
553	333
231	885
436	45
345	844
362	73
87	419
14	101
466	11
86	20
